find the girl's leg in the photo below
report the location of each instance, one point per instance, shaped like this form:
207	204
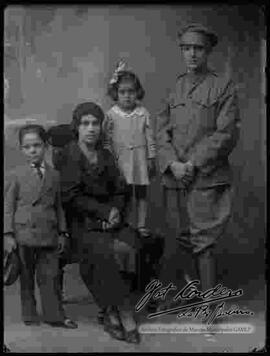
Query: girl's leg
141	207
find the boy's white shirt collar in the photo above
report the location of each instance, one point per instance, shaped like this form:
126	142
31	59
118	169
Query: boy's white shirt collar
42	166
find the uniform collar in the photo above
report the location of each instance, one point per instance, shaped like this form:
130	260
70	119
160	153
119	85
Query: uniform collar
197	76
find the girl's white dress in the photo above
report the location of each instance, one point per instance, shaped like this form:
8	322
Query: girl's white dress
130	138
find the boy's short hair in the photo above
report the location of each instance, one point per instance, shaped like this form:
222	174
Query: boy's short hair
38	129
122	76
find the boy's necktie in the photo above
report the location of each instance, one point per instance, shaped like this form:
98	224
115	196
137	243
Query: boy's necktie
38	170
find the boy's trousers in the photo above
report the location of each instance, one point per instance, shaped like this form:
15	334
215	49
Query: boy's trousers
42	261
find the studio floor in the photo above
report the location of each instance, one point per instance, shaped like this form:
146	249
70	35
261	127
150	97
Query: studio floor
90	336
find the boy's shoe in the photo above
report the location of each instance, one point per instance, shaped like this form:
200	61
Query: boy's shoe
6	349
66	323
32	322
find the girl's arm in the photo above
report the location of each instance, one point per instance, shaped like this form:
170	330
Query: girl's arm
10	199
149	134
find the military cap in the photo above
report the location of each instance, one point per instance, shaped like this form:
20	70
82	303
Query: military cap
196	27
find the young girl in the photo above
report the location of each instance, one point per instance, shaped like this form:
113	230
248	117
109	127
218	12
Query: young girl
128	134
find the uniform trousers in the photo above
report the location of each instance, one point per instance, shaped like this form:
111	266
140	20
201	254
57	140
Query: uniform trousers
194	222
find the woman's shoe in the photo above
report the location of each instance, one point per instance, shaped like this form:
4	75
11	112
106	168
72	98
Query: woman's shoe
132	336
129	324
115	330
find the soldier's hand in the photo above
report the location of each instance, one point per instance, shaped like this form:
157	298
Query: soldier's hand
178	169
10	243
188	178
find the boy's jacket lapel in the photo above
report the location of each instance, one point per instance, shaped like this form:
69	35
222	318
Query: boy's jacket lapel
31	182
44	183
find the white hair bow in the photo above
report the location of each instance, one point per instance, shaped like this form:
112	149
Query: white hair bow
121	65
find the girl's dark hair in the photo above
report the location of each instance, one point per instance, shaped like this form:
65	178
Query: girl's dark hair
83	109
125	75
33	128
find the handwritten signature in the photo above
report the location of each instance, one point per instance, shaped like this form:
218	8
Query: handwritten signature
155	290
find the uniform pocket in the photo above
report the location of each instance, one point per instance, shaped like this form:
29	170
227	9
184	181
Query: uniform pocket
205	113
22	217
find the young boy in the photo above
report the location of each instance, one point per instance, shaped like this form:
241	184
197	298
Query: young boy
34	223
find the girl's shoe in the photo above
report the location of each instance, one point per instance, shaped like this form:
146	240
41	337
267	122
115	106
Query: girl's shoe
101	315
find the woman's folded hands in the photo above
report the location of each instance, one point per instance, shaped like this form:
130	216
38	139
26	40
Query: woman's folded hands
113	220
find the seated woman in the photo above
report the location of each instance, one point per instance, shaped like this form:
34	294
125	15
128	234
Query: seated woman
93	197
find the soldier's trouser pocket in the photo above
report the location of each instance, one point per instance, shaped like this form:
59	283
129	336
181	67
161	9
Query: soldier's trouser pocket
209	211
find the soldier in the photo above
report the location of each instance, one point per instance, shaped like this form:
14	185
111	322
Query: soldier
195	136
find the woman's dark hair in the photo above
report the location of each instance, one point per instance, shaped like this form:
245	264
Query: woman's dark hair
33	128
125	75
83	109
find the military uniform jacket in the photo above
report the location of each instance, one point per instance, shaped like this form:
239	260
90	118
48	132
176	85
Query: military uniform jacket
200	124
32	208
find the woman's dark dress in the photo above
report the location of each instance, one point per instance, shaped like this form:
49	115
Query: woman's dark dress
88	193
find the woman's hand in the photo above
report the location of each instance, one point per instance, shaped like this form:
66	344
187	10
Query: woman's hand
114	217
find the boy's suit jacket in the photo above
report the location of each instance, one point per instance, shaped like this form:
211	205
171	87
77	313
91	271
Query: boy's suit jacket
32	208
